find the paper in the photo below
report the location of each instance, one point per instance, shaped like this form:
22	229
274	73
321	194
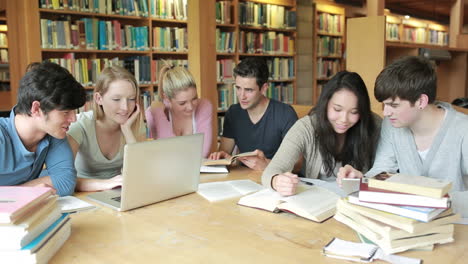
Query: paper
395	259
72	204
350	185
331	186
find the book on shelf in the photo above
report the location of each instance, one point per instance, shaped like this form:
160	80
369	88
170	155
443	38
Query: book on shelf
16	201
169	9
411	184
127	8
311	202
424	214
16	236
374	195
437	235
228	161
407	224
341	249
218	191
43	247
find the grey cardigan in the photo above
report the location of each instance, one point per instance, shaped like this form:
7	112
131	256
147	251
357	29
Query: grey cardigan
299	141
447	158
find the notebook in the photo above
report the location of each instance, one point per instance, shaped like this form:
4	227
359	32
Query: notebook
341	249
155	171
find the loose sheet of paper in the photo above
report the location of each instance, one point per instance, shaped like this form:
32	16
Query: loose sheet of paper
72	204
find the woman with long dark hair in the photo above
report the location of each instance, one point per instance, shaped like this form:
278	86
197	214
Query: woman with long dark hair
339	130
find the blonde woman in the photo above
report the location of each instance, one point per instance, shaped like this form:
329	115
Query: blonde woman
181	111
98	136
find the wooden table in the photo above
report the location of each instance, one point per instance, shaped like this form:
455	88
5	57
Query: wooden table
190	229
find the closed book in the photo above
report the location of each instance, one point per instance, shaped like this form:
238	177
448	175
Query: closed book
390	246
407	224
311	202
347	250
388	232
418	185
16	201
374	195
16	236
43	248
424	214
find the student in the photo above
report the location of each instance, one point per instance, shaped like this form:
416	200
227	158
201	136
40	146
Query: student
419	136
181	112
340	129
98	137
34	134
256	123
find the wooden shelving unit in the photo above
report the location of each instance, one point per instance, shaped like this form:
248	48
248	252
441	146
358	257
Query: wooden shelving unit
25	26
229	25
5	90
329	39
242	35
369	57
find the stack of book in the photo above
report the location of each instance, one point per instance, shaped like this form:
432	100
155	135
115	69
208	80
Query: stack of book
400	213
32	227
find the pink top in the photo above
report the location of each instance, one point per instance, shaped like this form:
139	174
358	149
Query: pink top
160	127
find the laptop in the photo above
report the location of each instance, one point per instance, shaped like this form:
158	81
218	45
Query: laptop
155	171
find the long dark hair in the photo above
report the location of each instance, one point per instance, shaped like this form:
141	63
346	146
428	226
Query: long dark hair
361	139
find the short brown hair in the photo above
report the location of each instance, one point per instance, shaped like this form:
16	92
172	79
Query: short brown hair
407	78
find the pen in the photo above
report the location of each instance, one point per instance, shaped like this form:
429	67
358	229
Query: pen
306	181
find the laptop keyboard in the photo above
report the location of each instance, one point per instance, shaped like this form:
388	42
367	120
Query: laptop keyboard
117	199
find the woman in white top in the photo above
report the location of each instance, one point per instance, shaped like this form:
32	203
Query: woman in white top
98	137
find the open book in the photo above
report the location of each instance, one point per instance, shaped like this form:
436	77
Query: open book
313	202
218	191
227	161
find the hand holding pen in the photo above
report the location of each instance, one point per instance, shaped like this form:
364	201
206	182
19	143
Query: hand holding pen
285	183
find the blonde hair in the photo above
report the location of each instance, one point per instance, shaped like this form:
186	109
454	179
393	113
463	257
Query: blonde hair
109	75
173	80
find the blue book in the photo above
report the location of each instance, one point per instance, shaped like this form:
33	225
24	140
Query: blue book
43	237
102	35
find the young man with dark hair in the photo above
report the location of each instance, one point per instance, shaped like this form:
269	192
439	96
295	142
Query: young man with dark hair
256	123
35	133
419	136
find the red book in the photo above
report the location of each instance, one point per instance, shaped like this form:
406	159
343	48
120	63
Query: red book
16	201
374	195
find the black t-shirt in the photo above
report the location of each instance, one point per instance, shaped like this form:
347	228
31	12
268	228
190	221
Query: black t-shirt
266	134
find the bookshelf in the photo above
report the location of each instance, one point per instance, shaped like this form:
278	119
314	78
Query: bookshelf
329	39
401	29
247	28
196	51
5	91
371	56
